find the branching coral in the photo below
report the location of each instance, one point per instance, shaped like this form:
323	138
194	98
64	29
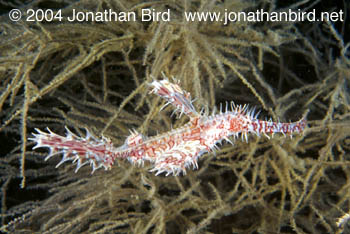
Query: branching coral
95	74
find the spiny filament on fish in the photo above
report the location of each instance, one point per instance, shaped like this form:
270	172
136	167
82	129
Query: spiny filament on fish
171	152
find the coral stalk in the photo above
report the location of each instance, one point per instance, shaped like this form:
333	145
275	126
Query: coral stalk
171	152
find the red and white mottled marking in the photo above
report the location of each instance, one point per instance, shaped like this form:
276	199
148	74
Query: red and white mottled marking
171	152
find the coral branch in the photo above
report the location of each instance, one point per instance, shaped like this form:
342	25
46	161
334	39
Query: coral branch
171	152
